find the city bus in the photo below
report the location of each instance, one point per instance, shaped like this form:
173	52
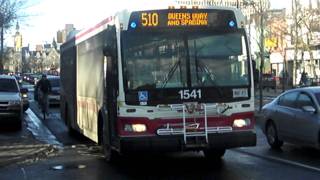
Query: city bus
161	80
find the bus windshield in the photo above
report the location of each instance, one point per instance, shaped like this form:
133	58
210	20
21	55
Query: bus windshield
153	60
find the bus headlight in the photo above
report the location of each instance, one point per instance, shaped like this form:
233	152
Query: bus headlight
135	127
241	122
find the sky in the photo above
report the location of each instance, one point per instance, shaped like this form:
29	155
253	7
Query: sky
46	17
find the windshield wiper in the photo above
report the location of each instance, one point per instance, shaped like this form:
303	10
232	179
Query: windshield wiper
209	74
196	61
171	72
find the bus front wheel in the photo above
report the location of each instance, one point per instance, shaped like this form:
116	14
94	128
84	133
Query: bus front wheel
110	154
214	154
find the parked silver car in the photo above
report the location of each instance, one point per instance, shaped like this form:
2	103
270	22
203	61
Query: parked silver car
294	117
11	103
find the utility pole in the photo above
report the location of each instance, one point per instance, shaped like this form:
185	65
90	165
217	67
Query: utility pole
1	49
1	36
295	57
261	14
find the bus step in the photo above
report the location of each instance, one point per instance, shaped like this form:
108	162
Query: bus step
195	134
196	140
196	146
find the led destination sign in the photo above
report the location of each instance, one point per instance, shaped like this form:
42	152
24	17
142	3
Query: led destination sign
187	19
182	18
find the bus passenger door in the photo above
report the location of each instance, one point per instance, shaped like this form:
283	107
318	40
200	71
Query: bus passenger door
111	84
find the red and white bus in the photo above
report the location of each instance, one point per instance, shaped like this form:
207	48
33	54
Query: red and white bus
161	80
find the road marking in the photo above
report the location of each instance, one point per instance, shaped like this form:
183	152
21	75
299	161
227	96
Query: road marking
39	130
270	158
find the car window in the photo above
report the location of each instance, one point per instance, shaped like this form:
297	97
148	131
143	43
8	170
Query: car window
281	101
304	100
288	99
8	85
317	97
54	82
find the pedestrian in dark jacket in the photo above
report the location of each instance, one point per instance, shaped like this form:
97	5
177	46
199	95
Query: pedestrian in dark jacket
304	78
43	87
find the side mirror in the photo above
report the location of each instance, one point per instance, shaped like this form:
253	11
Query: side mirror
309	109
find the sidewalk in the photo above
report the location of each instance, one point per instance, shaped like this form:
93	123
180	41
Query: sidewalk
268	95
268	92
20	145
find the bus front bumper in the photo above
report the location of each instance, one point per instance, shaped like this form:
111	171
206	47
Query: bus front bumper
175	143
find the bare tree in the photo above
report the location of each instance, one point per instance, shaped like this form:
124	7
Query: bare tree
260	9
309	20
9	12
305	24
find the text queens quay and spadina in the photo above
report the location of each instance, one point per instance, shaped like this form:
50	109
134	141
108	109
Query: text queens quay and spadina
187	19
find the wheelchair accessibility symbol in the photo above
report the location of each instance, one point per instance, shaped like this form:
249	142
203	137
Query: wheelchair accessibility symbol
143	95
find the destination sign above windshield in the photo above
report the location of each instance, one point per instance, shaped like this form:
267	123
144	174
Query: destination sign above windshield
172	18
187	19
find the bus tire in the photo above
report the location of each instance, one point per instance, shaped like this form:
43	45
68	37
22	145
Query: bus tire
67	120
110	155
214	154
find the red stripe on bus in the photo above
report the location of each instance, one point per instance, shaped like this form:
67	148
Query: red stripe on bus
89	105
105	21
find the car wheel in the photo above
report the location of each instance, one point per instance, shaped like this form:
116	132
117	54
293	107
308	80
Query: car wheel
214	154
25	108
272	136
17	123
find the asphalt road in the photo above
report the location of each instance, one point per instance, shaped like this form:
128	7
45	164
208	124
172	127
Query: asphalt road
79	158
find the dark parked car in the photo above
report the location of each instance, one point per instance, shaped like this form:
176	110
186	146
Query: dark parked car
25	98
269	81
33	79
54	95
294	116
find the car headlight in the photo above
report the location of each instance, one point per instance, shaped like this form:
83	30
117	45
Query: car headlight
25	95
241	122
14	102
135	127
